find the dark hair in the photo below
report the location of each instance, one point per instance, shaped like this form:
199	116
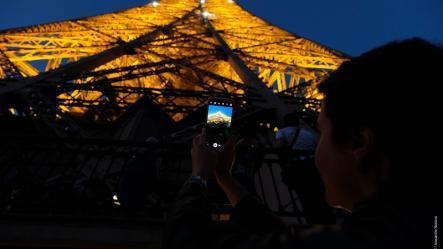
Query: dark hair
392	90
291	119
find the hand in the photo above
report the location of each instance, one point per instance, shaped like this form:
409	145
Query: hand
203	160
226	158
223	169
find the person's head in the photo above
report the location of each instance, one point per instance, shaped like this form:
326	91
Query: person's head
378	125
291	119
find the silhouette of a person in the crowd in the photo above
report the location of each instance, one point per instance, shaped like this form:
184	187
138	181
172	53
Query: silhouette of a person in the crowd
292	134
373	160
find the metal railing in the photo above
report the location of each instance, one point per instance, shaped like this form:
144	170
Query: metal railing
122	188
87	177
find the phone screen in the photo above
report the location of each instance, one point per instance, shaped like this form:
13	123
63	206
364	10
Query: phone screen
218	122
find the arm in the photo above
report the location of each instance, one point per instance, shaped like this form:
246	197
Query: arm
248	210
189	218
233	189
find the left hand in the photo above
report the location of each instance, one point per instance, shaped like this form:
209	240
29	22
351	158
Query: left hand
203	160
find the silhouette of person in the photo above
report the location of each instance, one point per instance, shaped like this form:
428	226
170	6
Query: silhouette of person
373	160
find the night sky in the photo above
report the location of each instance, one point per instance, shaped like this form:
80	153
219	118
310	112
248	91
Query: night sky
351	26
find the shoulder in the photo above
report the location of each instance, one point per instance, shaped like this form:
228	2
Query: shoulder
306	133
287	130
283	132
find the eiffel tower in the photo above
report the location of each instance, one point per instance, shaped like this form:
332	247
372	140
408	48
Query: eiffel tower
172	53
81	101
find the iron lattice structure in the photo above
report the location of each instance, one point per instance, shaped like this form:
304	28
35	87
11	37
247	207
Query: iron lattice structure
174	52
93	82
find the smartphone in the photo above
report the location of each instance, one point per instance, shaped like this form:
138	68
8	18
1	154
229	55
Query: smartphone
218	122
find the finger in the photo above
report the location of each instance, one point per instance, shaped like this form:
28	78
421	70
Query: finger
239	142
196	140
203	134
231	143
201	141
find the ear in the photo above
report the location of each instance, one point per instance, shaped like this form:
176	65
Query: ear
362	143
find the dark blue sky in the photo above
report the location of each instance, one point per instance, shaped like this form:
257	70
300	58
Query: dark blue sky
352	26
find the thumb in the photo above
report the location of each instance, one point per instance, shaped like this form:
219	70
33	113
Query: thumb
231	143
240	141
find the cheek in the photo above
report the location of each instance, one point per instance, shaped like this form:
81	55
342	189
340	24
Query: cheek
323	156
327	162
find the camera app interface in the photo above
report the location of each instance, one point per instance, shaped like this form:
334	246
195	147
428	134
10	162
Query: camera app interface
218	123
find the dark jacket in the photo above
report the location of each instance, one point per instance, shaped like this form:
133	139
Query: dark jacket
373	224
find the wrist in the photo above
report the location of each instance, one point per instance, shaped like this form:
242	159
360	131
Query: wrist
223	176
200	173
199	180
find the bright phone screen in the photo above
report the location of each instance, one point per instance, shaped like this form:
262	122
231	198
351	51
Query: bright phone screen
218	122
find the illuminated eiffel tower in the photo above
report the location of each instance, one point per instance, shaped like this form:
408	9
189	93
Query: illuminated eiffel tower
174	53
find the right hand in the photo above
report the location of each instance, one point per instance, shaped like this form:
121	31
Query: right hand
203	160
226	158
